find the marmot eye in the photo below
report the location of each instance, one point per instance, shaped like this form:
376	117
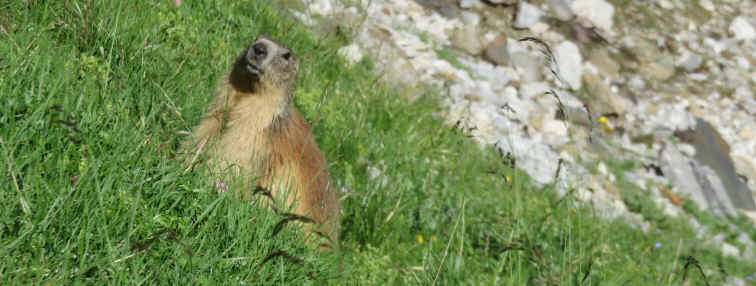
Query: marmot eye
286	56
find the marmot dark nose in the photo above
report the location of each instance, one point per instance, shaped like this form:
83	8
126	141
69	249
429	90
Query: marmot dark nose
256	57
260	49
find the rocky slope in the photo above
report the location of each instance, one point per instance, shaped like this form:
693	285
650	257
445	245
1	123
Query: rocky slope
668	84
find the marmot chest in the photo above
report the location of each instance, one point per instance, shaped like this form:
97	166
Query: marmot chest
246	139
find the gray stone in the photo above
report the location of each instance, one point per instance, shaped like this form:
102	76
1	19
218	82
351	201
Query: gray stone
502	2
527	15
450	12
496	52
561	9
577	115
713	151
467	39
600	58
700	182
678	170
716	195
660	69
608	101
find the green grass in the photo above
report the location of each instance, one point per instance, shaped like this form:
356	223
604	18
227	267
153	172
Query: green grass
451	59
93	93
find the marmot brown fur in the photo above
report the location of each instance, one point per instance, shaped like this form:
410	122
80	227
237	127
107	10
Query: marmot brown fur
252	128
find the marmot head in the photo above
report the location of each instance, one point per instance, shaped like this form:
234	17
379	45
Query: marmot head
265	64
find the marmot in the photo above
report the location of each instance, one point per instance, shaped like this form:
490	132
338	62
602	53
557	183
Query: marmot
252	128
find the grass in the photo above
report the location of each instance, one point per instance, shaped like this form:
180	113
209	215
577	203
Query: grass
94	92
449	57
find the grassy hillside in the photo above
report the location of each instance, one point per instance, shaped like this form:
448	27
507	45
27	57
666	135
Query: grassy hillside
94	94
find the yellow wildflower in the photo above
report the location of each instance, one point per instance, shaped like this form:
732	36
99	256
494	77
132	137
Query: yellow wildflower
605	124
419	239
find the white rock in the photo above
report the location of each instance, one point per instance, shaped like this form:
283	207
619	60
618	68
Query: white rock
730	250
665	4
351	53
555	127
540	29
603	169
748	131
686	149
304	18
378	175
506	2
526	63
745	96
674	117
532	89
619	205
690	62
716	46
735	281
637	82
745	164
470	18
700	229
487	125
671	210
466	4
570	63
321	7
741	29
743	63
599	12
561	9
750	215
706	4
698	76
527	15
745	239
535	158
